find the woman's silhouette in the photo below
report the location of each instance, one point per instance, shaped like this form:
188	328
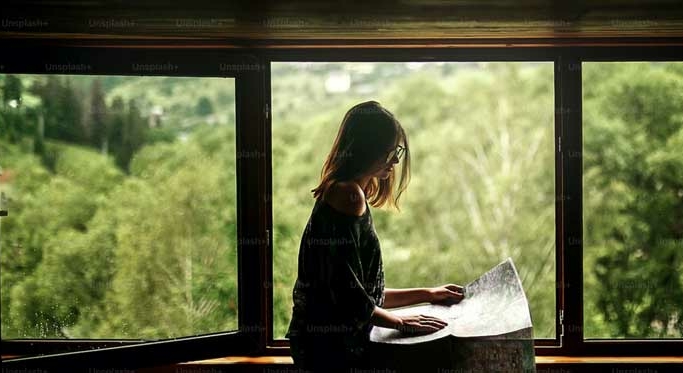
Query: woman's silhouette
339	291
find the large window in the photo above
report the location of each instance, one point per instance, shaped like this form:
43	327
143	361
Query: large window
145	222
121	196
633	199
482	185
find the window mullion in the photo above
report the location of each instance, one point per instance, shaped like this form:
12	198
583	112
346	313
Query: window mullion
569	76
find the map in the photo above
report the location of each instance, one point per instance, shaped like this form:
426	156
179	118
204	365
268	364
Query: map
489	330
494	305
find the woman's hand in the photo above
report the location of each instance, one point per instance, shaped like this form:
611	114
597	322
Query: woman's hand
420	324
446	294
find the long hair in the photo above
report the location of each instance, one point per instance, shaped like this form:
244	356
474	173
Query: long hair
366	131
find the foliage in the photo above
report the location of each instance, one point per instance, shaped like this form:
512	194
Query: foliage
482	182
633	193
121	229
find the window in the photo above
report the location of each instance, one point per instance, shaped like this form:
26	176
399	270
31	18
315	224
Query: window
544	181
481	136
127	221
121	193
633	199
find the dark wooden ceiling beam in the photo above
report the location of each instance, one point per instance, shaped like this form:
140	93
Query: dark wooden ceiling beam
308	22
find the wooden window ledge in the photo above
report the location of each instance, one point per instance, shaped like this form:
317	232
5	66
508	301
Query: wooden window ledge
544	363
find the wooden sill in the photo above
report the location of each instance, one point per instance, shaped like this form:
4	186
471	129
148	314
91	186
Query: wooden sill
609	360
261	362
539	360
249	360
564	364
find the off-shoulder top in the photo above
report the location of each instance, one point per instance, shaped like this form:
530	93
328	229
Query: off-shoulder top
340	280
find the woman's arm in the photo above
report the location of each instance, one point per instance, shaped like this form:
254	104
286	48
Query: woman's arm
446	294
385	319
405	297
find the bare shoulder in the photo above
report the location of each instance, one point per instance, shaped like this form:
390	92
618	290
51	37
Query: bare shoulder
347	198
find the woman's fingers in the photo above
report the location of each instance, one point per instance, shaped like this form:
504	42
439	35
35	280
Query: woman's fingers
433	325
422	324
434	320
454	287
447	294
457	294
430	328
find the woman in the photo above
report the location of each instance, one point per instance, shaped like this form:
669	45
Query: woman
339	292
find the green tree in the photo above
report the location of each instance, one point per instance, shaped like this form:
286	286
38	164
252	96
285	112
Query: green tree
53	271
12	121
65	244
61	109
482	182
174	254
11	90
633	133
204	106
98	122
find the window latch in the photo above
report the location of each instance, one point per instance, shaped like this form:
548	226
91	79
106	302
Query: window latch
561	323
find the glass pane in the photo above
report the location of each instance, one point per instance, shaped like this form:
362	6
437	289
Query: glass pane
482	176
633	199
121	200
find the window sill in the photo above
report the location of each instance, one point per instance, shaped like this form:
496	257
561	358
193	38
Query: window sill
542	363
259	363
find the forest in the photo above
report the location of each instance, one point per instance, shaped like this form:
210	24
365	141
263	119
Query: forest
121	192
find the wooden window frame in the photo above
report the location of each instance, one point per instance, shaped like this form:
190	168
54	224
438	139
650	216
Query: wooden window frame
246	70
254	184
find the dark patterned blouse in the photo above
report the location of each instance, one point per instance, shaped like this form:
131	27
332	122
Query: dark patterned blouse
340	280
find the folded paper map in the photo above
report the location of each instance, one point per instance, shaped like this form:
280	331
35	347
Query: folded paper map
494	304
489	330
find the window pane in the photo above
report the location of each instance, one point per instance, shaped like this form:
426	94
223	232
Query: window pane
482	178
633	199
121	200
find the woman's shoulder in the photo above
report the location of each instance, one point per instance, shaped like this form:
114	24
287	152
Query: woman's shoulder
347	198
